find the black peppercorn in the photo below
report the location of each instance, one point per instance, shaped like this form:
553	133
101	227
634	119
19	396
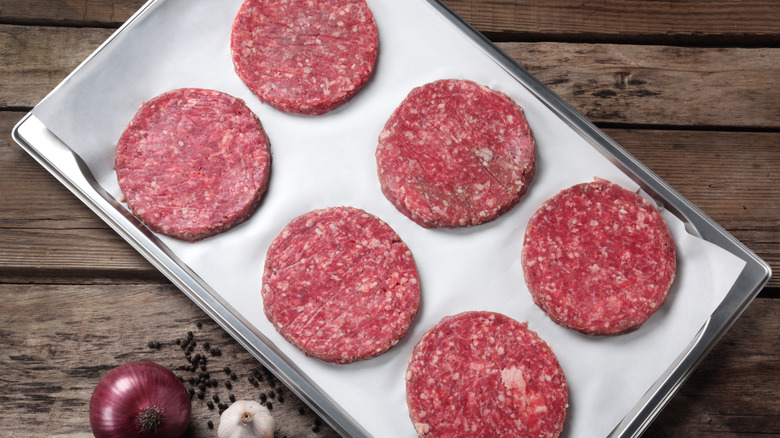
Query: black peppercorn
232	398
226	370
258	375
210	424
215	352
215	397
228	385
210	404
269	405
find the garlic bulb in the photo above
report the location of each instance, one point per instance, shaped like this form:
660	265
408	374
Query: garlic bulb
246	419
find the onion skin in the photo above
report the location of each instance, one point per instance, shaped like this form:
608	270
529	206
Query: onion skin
122	395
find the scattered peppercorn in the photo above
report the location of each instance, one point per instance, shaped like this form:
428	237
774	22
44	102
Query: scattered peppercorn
257	374
270	406
215	352
210	424
233	376
232	398
199	324
228	385
226	370
215	397
210	404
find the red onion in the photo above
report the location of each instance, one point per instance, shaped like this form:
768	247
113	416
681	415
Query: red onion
139	399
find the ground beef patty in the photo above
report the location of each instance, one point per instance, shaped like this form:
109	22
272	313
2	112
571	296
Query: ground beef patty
193	163
598	258
304	56
483	374
455	154
340	285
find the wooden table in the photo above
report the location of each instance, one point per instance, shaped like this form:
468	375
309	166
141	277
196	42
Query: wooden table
688	87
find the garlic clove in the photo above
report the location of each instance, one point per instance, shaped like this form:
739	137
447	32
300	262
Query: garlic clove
246	419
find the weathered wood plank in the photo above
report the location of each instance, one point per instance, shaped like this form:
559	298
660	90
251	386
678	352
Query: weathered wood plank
71	12
53	356
44	229
640	85
659	85
729	22
33	60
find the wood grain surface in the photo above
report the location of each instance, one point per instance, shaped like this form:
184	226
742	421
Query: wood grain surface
687	87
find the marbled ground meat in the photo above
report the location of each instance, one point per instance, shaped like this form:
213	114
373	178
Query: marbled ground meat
598	258
304	56
340	285
193	163
483	374
454	154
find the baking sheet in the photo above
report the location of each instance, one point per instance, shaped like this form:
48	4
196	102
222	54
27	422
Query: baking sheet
329	160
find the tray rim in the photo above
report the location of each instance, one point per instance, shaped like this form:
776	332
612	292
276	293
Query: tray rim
45	147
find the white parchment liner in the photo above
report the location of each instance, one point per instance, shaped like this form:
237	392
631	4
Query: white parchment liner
329	161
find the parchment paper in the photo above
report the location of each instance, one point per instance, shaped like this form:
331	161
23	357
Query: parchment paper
329	161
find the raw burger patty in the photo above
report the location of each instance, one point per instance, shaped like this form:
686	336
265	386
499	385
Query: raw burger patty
305	57
598	258
193	163
483	374
455	154
340	285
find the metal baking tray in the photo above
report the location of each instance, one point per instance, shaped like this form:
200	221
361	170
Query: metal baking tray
73	172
